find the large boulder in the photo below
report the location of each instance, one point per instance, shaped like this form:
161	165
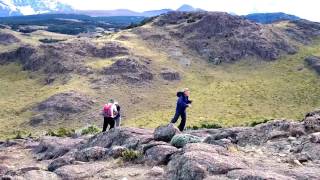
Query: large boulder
180	140
313	62
131	138
54	147
91	153
312	121
165	133
160	155
83	171
200	162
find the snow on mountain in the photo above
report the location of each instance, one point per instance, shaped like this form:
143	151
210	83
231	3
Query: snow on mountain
28	7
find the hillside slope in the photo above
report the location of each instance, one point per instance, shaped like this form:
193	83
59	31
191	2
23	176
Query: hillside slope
64	84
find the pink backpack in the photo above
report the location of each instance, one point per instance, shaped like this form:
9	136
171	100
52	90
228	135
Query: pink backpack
107	110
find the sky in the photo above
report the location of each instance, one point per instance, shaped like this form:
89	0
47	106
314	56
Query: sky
308	9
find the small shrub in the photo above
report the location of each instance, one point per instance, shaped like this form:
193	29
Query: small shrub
255	123
131	155
181	140
18	135
61	132
205	126
90	130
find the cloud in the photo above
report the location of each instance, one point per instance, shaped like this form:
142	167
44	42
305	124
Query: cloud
303	8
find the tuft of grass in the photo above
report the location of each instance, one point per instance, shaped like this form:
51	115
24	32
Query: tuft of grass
90	130
131	155
255	123
61	132
205	125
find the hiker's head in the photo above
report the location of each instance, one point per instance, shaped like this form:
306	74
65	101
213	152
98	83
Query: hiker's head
186	91
111	101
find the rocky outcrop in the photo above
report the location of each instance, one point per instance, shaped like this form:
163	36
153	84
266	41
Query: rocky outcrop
221	37
314	63
61	106
7	38
170	75
132	70
279	149
62	58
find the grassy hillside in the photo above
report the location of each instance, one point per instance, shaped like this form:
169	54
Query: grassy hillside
228	94
246	91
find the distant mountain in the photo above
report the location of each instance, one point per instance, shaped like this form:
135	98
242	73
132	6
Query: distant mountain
155	12
117	12
126	12
267	18
29	7
188	8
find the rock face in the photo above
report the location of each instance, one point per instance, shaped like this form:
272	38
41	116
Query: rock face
220	37
132	70
61	106
279	149
314	63
170	75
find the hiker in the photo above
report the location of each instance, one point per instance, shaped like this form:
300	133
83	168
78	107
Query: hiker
117	118
109	111
182	104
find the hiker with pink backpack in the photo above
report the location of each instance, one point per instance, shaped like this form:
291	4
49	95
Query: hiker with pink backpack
109	113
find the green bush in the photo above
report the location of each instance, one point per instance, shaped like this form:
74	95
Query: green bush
131	155
205	126
61	132
21	134
90	130
255	123
181	140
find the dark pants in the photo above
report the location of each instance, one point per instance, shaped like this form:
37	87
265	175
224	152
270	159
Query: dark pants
108	121
183	119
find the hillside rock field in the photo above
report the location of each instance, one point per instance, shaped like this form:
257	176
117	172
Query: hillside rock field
279	149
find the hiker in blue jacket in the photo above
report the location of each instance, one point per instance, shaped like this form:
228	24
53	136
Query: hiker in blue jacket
182	104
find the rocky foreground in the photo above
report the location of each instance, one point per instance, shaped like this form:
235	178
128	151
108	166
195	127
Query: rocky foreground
278	149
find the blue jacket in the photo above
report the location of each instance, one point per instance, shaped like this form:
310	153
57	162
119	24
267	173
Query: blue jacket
182	102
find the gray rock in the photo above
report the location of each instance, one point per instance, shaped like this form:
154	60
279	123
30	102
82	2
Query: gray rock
156	171
91	153
312	122
315	137
196	163
165	133
160	155
84	171
54	147
116	151
61	161
130	138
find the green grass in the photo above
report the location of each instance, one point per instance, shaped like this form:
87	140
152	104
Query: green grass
244	92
